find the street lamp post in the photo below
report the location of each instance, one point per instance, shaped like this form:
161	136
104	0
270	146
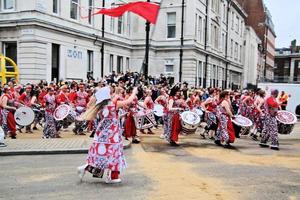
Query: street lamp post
102	45
181	41
146	63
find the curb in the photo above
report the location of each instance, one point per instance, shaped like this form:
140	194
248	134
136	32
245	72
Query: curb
127	145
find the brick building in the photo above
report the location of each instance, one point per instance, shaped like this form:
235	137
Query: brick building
287	64
260	19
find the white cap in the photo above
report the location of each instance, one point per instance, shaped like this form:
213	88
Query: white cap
102	94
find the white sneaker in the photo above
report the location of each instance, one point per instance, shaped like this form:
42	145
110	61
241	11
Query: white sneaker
107	175
81	171
114	181
2	144
162	136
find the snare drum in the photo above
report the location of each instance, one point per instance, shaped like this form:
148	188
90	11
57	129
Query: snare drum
286	122
190	122
144	119
158	110
24	116
243	124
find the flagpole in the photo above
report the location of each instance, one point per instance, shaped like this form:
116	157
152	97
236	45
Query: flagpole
146	64
102	45
181	41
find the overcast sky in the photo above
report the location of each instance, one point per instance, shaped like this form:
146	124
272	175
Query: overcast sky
286	18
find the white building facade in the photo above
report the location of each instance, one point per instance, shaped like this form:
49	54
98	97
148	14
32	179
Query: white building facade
52	41
253	58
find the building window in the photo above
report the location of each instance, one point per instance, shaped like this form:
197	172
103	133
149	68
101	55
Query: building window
55	6
236	51
231	48
224	12
10	50
127	64
241	53
119	64
112	24
216	37
91	4
111	63
200	74
237	24
242	28
287	64
223	42
232	20
169	68
171	25
199	28
90	62
212	37
217	7
8	4
74	9
120	25
128	24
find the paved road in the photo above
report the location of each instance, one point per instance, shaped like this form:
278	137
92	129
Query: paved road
195	170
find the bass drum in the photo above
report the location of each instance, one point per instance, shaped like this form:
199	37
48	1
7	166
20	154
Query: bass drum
64	111
286	122
2	135
190	122
24	116
242	125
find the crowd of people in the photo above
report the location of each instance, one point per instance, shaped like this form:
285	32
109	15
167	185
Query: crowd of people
108	109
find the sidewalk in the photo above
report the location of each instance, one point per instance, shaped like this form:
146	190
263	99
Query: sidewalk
32	144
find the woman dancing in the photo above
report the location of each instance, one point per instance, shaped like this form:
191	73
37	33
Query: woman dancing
105	157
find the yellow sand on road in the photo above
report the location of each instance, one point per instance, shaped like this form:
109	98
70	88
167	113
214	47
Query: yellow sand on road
176	180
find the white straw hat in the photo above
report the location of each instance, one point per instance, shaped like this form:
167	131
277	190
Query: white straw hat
102	94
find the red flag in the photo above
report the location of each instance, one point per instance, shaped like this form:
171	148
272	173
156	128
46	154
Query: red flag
147	10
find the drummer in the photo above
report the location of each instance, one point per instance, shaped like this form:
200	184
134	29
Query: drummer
258	114
162	100
50	124
62	98
129	125
7	110
26	100
80	101
172	125
225	131
209	106
149	106
270	128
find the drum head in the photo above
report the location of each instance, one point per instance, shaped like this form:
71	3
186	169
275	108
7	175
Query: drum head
158	110
2	135
286	117
242	121
198	111
61	112
24	116
190	118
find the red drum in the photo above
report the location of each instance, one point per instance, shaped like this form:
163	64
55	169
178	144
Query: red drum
190	122
286	122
